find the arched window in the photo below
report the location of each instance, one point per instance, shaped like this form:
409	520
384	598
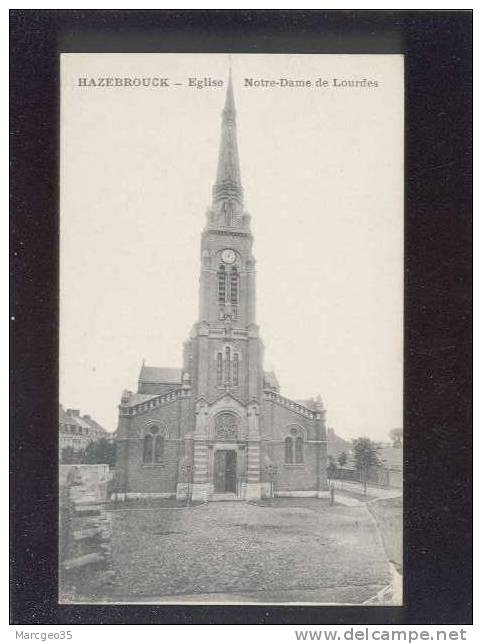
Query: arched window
153	451
299	450
228	365
158	449
235	369
234	285
147	448
289	450
222	285
219	369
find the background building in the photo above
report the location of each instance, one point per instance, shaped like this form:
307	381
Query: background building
76	431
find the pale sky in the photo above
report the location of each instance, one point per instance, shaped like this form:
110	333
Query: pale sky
322	170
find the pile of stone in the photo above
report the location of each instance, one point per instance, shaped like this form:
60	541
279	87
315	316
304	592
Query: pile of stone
86	564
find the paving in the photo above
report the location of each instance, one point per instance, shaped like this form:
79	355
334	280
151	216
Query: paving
289	550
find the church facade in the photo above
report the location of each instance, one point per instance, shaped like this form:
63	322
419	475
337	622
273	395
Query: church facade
218	427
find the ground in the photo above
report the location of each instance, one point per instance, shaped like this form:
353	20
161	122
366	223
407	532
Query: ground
389	517
289	550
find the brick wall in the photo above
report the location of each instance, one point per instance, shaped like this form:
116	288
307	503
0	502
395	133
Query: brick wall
295	477
178	418
135	476
159	477
275	427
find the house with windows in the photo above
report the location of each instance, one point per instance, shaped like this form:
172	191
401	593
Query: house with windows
76	431
218	427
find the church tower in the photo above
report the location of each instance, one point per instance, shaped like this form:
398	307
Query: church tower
226	352
224	355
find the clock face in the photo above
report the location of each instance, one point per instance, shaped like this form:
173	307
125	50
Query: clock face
228	256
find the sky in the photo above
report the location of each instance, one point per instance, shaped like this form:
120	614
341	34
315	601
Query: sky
322	170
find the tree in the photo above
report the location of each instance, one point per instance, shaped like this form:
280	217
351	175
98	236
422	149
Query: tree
67	455
365	456
342	459
331	468
99	452
396	436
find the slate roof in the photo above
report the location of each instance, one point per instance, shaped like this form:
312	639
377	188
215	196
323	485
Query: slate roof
84	422
167	375
94	424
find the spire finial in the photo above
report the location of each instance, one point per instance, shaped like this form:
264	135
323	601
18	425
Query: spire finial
229	112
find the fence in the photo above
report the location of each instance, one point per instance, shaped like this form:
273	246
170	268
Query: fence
377	476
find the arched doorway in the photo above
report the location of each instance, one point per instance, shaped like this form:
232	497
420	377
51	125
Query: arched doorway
225	471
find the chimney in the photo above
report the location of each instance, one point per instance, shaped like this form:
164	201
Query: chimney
73	412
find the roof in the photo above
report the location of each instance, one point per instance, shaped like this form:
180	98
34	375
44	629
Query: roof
309	403
64	418
336	444
168	375
85	422
81	422
136	399
93	423
68	419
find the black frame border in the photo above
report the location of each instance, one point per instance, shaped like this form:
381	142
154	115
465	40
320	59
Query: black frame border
438	296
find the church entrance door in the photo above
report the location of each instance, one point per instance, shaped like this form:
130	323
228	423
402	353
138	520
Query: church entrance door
225	471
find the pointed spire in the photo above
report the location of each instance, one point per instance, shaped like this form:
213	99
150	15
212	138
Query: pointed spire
229	111
228	179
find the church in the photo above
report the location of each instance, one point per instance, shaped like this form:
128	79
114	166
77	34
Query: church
218	427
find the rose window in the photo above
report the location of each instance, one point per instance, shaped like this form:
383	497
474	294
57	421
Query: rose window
226	427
